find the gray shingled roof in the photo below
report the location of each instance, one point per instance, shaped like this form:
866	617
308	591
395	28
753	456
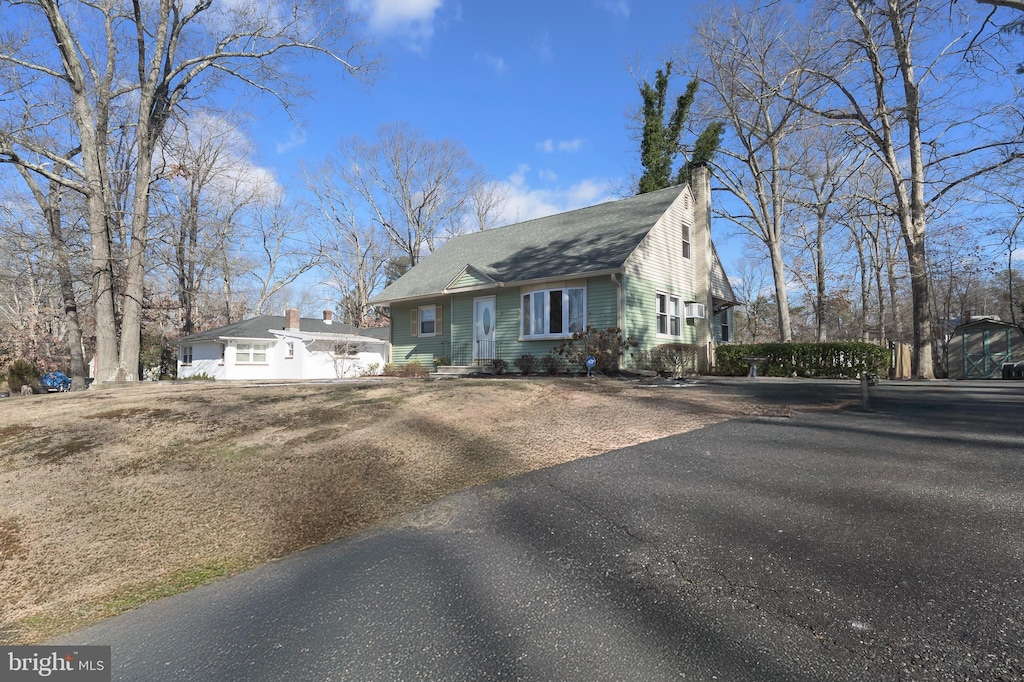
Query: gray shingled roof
259	328
594	239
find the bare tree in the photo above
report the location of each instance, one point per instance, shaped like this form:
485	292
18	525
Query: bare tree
51	206
209	185
1011	4
417	190
754	75
355	250
154	58
280	249
820	175
892	71
752	283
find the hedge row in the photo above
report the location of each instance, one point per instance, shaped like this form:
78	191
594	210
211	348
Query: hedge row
843	359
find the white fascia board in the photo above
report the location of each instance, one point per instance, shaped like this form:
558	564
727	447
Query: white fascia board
559	278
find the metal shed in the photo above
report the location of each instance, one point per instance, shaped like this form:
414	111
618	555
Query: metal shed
979	349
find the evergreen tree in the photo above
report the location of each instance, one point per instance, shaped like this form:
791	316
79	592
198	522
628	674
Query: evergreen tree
659	144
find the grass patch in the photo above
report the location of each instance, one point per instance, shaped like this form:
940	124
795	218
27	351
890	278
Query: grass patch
176	583
47	625
9	434
10	541
138	412
57	452
239	453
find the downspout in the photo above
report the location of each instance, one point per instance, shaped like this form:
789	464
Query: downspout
618	304
391	337
618	301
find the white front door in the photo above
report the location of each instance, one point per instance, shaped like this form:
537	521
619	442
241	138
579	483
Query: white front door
483	328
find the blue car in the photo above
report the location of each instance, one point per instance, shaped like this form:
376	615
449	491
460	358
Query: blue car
56	382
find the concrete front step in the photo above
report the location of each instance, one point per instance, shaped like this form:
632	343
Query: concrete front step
460	370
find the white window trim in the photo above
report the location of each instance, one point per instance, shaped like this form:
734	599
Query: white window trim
251	353
289	350
419	321
686	246
669	296
184	354
546	296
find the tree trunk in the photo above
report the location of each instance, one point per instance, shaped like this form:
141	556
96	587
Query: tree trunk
914	231
781	295
79	369
865	287
819	276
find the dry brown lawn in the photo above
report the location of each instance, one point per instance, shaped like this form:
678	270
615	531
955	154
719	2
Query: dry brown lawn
117	496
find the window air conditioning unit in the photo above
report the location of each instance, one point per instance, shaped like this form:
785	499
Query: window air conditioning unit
695	310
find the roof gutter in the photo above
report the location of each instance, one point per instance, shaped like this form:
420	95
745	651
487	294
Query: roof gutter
501	285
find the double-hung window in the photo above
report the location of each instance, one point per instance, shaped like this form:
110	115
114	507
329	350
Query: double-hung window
186	355
554	312
669	306
428	321
250	353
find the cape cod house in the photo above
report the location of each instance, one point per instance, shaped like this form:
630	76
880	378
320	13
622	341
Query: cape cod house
283	347
645	264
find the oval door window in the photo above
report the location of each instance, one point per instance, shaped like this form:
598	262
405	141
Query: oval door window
487	321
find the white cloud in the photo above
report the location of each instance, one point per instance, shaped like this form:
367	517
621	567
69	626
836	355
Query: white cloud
619	8
525	202
496	63
542	46
235	175
547	175
413	19
296	138
571	146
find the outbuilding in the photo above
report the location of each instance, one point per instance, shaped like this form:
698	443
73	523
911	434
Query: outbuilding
283	347
980	349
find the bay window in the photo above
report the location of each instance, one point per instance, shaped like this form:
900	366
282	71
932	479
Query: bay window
554	312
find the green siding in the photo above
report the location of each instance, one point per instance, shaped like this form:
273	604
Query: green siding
405	347
470	279
458	323
601	303
641	314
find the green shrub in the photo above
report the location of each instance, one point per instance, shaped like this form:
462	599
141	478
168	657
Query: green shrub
442	361
606	345
21	373
840	359
526	363
669	359
414	370
553	364
499	366
201	376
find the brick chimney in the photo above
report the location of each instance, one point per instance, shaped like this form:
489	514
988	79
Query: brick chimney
328	317
291	319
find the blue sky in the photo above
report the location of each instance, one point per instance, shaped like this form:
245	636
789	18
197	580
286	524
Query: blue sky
536	91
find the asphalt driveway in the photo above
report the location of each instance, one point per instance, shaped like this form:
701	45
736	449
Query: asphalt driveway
824	546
